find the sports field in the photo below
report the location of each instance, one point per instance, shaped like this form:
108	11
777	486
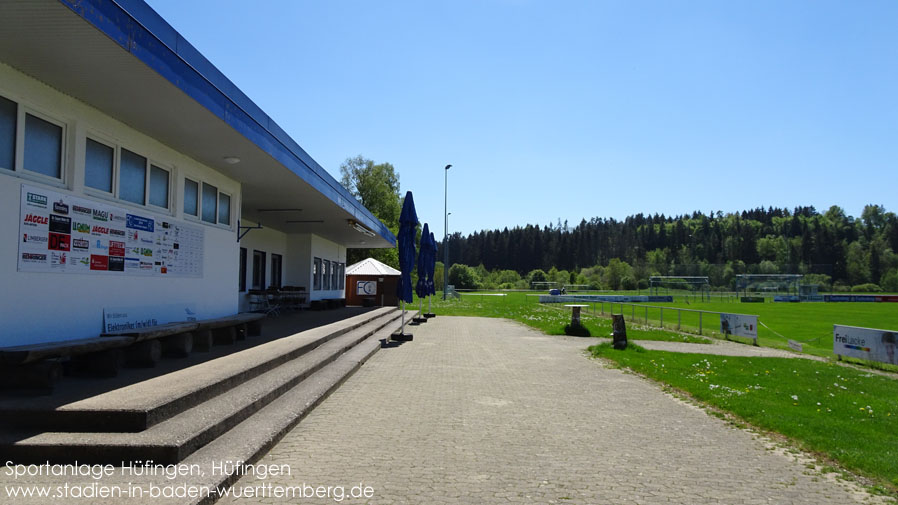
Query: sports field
811	324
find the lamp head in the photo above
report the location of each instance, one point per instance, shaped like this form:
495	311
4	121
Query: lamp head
448	167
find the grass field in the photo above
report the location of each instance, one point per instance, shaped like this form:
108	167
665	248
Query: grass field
846	415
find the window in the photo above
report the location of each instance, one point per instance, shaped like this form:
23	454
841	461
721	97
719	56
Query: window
8	113
258	270
43	147
224	210
191	200
133	178
342	276
335	269
276	261
242	280
99	162
210	201
316	274
159	186
326	271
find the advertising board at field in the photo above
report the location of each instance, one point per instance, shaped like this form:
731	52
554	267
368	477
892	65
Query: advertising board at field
605	298
366	288
119	319
62	233
740	325
786	298
860	298
866	343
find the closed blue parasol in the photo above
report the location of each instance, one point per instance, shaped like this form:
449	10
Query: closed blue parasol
431	266
424	254
408	222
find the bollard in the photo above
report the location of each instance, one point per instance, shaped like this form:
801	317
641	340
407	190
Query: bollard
619	332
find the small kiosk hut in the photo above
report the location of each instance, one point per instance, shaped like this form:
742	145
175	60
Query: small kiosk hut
370	282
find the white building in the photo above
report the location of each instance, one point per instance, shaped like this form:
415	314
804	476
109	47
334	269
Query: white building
129	166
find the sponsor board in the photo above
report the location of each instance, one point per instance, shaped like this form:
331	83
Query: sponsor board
740	325
366	288
752	299
125	319
58	259
91	232
786	298
796	346
866	343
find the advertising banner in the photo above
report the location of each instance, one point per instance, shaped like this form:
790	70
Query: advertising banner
67	234
366	288
866	343
118	319
740	325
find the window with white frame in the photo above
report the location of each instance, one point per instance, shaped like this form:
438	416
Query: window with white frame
191	198
30	141
326	272
99	165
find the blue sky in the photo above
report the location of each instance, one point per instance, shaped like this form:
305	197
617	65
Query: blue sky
569	110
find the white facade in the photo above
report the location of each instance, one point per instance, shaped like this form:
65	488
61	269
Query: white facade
60	306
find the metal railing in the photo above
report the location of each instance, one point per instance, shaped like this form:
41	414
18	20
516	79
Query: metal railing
645	311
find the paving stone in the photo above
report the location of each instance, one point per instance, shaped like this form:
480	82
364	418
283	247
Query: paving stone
487	411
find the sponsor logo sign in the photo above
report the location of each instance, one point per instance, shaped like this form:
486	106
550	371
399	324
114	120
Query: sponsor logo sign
116	248
117	233
99	230
58	259
866	343
366	288
740	325
31	238
98	262
35	220
80	244
80	227
100	215
59	224
100	245
60	207
34	257
122	319
60	242
116	264
36	200
81	210
116	217
139	223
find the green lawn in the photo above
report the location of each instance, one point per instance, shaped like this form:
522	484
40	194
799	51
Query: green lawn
846	415
548	318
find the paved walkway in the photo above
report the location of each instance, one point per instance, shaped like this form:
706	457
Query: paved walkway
487	411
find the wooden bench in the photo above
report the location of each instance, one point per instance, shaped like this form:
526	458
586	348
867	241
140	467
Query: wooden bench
38	366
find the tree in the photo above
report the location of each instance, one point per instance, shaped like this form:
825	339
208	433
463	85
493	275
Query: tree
463	277
376	186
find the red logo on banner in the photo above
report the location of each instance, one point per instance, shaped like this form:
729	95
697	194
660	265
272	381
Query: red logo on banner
60	242
116	248
99	262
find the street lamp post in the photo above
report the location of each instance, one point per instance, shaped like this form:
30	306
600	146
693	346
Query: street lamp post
446	230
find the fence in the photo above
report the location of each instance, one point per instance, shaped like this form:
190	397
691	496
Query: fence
695	321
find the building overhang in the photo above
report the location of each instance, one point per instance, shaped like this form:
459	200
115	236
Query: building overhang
123	59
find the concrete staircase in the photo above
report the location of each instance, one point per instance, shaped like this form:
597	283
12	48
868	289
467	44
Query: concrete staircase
230	408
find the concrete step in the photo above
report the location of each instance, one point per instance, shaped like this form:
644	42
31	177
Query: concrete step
139	406
173	440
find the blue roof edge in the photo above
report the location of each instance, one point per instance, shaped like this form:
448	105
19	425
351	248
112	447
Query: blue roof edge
140	30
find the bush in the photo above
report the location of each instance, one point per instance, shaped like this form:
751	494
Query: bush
889	281
841	287
463	277
866	288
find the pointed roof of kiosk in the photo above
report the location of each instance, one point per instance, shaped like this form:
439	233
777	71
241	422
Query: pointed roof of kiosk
371	266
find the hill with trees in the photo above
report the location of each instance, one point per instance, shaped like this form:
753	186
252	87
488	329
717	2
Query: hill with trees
831	248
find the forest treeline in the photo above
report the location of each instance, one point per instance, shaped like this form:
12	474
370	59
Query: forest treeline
833	248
